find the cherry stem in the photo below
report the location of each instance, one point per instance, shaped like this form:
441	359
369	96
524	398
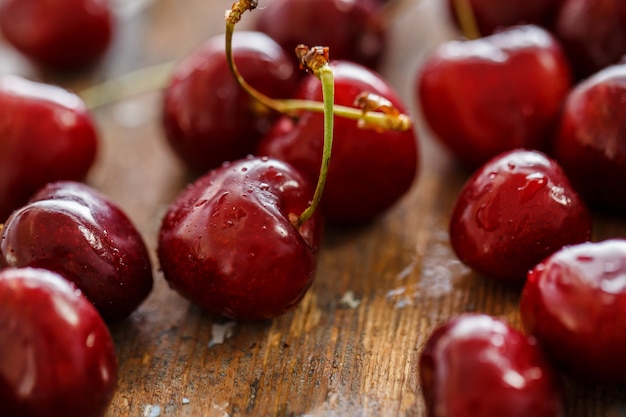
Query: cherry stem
138	82
467	19
367	118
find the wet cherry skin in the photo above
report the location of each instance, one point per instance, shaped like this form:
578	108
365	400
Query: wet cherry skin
228	245
78	232
57	358
207	117
369	170
65	35
494	15
353	30
515	211
493	94
61	145
574	303
591	140
593	33
475	365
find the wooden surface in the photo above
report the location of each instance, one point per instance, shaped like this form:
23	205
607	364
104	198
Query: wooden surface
351	347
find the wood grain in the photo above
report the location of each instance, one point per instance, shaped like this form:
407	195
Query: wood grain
351	347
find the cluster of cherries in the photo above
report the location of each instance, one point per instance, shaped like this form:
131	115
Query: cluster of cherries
259	143
534	106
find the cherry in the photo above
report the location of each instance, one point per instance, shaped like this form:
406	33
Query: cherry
515	211
493	94
591	141
228	243
57	358
574	303
58	34
353	31
60	145
369	170
207	117
478	366
493	15
76	231
593	33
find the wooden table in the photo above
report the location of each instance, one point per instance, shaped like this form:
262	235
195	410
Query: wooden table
351	347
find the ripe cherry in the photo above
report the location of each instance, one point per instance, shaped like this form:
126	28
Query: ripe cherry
369	170
479	366
591	141
208	118
574	303
57	358
61	145
593	33
353	30
76	231
58	34
228	242
515	211
493	94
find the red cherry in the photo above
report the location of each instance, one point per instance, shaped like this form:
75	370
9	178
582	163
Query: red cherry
46	134
493	94
574	303
353	30
58	34
593	33
515	211
478	366
591	142
369	171
57	358
79	233
208	118
227	242
493	15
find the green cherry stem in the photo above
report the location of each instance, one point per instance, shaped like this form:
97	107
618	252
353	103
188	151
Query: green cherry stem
467	19
366	118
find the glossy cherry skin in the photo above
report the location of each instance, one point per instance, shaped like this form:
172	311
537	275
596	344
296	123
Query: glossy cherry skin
494	15
369	171
574	303
478	366
208	118
489	95
46	134
228	245
72	229
58	34
57	358
353	30
593	33
591	141
515	211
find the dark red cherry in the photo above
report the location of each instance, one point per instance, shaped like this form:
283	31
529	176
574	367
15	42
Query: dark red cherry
591	142
227	243
353	30
478	366
574	303
57	358
74	230
493	94
208	118
58	34
369	170
515	211
593	33
46	134
493	15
